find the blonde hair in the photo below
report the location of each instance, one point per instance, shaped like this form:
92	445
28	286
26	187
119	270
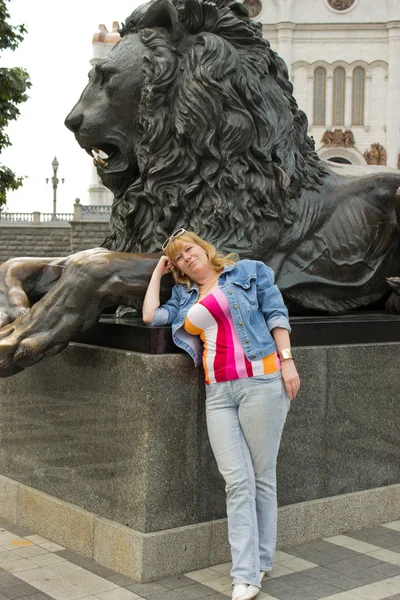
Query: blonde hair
217	259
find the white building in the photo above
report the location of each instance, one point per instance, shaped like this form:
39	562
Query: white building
343	58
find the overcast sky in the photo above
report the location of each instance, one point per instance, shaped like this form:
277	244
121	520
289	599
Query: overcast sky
56	53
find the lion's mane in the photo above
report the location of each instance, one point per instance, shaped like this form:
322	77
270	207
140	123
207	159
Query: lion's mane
224	148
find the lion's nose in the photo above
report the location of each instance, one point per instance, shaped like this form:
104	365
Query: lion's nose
74	120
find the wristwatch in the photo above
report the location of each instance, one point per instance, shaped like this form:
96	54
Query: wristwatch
285	354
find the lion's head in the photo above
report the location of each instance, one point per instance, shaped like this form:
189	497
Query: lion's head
196	115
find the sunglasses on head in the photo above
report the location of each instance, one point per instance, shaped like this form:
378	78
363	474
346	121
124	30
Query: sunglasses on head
176	234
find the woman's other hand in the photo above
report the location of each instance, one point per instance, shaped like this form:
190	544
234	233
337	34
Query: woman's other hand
290	377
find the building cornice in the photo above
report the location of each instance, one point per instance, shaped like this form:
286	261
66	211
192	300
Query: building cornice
334	26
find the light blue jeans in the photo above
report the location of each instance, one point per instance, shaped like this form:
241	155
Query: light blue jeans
245	419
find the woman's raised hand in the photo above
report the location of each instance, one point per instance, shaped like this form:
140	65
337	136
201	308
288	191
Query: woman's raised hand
163	266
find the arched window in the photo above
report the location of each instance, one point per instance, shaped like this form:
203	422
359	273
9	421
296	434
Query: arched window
319	96
339	84
358	96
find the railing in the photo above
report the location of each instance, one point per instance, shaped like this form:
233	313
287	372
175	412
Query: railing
89	209
47	217
36	217
82	212
14	217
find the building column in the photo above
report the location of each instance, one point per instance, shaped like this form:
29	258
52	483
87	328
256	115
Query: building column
310	109
367	102
348	102
285	42
329	101
393	111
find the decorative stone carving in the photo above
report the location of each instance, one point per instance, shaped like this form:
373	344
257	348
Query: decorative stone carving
254	7
338	138
341	4
376	155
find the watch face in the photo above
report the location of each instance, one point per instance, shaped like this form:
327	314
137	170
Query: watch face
341	4
254	7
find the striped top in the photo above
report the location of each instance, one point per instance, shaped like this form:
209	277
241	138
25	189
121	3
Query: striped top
223	355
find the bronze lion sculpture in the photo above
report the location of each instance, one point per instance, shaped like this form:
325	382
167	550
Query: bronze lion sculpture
197	126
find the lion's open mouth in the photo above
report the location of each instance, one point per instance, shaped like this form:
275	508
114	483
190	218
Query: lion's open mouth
108	157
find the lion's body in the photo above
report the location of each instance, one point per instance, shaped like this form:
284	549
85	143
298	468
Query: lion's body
203	132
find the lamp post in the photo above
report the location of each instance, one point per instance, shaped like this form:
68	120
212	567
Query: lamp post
55	181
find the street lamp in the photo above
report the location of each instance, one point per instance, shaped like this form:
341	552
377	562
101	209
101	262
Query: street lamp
55	181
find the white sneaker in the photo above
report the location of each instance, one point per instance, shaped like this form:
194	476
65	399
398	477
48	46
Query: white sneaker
263	574
242	591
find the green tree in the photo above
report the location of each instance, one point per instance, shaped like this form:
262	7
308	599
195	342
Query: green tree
13	85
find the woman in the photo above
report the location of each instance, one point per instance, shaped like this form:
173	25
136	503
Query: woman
230	313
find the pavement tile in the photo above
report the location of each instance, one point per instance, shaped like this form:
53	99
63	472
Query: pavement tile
318	558
297	564
147	590
370	592
386	570
40	596
46	559
176	594
319	589
7	579
279	570
364	561
201	575
16	566
38	574
197	591
213	597
51	546
393	525
36	539
339	580
391	586
91	585
297	579
221	584
343	596
20	590
20	531
30	551
173	583
280	555
86	563
118	594
225	568
387	556
352	544
121	580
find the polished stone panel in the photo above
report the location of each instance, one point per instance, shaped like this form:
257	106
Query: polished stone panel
114	432
363	417
122	434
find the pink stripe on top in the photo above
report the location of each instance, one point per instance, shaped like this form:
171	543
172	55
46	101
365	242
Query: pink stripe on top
223	356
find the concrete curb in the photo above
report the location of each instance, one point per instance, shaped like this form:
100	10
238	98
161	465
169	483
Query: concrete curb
149	556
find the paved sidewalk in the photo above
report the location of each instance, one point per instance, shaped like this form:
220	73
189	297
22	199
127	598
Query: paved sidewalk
358	565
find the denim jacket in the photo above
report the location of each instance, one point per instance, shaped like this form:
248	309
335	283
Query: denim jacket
255	302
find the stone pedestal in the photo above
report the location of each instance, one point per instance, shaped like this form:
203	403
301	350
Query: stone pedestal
119	438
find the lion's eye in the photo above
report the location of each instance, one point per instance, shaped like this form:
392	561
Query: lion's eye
104	77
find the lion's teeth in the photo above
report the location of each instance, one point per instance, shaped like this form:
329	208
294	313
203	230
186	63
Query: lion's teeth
102	162
95	162
95	150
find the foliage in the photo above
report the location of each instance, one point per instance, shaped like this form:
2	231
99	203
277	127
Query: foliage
14	83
